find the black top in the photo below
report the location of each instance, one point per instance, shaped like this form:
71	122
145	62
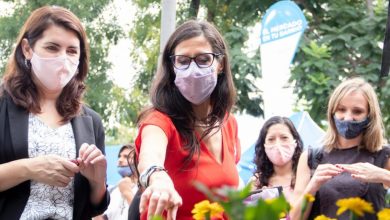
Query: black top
343	185
87	128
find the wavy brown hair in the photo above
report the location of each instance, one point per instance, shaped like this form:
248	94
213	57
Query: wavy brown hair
18	81
264	166
166	97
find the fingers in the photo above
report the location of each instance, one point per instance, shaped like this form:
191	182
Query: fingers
90	154
100	158
350	169
359	177
172	210
64	173
154	201
325	172
144	200
162	203
62	181
328	170
158	200
364	172
172	213
70	166
85	152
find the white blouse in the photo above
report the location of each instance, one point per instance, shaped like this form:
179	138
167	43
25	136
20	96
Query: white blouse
45	201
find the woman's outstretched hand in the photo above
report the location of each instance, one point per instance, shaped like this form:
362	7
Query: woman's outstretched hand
160	195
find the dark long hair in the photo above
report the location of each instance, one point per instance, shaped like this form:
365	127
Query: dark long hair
18	76
264	167
166	97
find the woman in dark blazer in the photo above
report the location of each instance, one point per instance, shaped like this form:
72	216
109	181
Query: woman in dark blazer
52	163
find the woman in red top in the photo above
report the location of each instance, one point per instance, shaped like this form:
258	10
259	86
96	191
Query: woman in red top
188	134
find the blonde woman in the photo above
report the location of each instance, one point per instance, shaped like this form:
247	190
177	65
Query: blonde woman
353	161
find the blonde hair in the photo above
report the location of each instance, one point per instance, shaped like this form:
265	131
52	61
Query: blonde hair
373	138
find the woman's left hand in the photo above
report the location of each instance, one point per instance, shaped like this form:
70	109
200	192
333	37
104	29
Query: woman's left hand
92	163
365	172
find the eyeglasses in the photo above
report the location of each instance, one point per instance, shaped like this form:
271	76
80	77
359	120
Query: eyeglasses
202	60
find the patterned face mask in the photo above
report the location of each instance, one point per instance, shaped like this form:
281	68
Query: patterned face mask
280	154
350	129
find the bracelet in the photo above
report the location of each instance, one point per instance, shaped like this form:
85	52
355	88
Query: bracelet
145	176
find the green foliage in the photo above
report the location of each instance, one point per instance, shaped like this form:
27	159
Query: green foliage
342	41
232	201
112	103
146	36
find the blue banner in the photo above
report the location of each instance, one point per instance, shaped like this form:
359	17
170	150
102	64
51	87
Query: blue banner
281	29
281	20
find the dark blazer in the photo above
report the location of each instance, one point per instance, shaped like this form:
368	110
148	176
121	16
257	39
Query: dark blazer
87	128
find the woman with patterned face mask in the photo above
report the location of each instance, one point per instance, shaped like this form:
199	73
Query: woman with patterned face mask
52	163
277	152
188	135
353	161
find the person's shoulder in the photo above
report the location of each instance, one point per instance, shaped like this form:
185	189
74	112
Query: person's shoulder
230	119
382	156
386	148
5	97
314	156
385	151
89	111
3	93
155	115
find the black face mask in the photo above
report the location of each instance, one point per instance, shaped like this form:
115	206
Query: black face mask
350	129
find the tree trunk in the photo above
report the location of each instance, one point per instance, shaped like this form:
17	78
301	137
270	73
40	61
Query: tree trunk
194	9
370	9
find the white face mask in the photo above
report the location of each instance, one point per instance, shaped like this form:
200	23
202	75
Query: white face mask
55	72
196	84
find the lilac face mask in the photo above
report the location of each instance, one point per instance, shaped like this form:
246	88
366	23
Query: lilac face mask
54	72
196	84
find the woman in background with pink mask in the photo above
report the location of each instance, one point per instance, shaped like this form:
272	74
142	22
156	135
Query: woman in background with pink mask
277	152
52	163
188	135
